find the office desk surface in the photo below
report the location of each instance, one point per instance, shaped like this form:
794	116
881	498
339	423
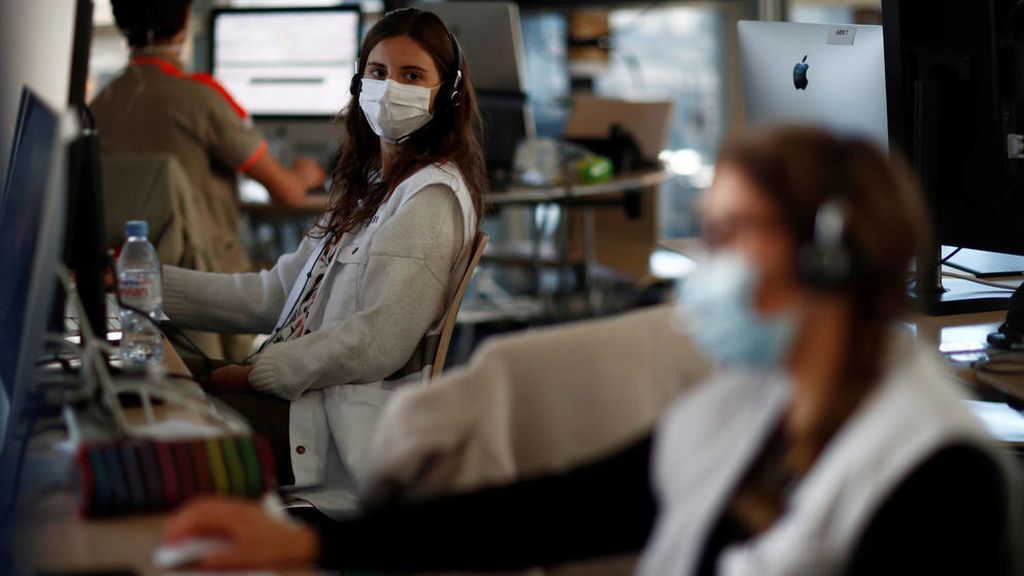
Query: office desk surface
55	539
52	537
640	180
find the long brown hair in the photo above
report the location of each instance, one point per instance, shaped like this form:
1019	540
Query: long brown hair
453	135
885	227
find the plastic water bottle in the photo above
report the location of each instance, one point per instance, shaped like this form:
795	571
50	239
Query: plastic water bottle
138	280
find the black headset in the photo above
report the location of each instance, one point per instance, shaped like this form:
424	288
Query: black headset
825	263
442	105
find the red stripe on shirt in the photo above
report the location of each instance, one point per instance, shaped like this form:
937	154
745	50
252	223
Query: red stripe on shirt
209	81
170	69
164	66
251	160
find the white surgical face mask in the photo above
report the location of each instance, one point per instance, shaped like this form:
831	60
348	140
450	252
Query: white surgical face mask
717	301
393	109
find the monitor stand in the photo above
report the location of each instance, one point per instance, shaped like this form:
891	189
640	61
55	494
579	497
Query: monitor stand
933	294
938	296
984	264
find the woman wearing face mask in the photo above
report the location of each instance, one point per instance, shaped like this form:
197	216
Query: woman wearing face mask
827	442
354	313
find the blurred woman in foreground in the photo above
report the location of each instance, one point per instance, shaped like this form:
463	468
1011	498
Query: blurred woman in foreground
827	442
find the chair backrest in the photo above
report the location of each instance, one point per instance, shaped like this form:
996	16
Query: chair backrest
448	324
155	188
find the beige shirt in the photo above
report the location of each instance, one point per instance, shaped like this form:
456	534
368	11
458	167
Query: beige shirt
153	107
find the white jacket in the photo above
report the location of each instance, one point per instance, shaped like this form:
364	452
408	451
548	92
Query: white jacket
339	377
710	438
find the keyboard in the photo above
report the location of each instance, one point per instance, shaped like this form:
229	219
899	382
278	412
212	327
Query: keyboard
72	324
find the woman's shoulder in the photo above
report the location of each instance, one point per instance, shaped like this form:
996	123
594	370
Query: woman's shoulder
444	173
439	177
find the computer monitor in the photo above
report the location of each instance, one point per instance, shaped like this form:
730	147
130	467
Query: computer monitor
31	239
286	62
825	75
955	108
491	37
85	242
15	142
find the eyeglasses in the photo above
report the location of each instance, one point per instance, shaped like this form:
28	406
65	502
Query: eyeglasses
720	232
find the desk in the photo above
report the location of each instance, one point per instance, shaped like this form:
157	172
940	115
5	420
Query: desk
584	197
527	195
52	537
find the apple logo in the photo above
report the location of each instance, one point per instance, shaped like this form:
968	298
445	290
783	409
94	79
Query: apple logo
800	74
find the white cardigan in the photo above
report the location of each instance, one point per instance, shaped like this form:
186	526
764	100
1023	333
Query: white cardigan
340	376
709	439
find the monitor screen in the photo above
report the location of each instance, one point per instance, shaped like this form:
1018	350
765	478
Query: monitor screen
286	62
20	218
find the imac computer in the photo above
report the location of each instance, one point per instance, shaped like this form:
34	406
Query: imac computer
815	74
491	37
286	62
867	81
31	240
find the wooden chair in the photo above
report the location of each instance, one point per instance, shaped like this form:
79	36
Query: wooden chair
448	325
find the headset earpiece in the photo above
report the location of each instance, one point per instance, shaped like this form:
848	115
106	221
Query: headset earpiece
453	87
357	85
825	263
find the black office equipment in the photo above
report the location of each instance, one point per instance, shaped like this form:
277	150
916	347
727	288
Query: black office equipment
85	242
1010	335
955	103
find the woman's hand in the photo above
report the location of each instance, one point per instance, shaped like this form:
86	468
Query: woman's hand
233	378
253	538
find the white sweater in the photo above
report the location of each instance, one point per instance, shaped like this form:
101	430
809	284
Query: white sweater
708	440
385	291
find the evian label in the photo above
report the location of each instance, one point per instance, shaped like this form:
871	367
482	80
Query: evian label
138	290
841	35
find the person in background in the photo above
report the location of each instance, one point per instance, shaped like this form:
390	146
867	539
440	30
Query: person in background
355	312
827	441
154	107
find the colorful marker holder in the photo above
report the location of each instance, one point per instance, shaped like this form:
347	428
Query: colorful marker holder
131	476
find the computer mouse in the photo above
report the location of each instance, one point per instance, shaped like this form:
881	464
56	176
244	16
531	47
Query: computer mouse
186	552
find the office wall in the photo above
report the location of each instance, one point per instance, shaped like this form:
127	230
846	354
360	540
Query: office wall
35	49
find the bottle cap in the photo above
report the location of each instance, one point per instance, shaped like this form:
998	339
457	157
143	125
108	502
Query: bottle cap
136	228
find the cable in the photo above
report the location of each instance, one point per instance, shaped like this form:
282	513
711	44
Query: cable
941	263
950	256
970	278
178	336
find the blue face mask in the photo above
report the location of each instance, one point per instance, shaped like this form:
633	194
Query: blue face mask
717	302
